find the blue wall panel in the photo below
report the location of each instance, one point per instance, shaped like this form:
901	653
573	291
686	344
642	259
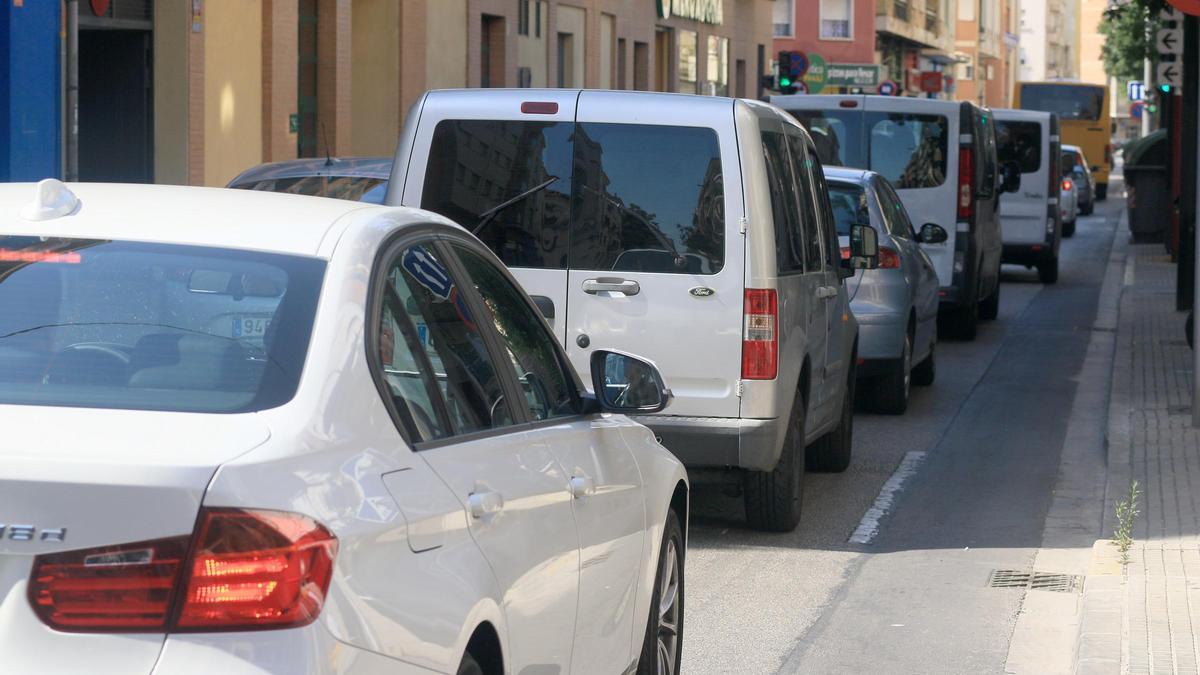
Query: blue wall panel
30	90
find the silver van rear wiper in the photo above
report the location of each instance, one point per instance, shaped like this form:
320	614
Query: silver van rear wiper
486	216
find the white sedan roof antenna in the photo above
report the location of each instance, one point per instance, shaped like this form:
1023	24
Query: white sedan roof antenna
52	199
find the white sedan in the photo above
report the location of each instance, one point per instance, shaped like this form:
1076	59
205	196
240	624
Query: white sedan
260	433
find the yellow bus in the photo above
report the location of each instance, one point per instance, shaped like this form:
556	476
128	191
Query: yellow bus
1083	115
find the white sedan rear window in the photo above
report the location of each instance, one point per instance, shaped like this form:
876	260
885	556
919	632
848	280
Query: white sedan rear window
108	324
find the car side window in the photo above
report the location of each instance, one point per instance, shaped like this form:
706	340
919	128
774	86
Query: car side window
549	390
897	217
789	235
828	224
986	148
441	346
803	163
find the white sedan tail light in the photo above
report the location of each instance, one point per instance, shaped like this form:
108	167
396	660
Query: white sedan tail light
241	570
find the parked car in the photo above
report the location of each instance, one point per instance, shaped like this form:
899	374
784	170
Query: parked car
940	156
359	179
1068	205
1031	215
279	434
646	223
1081	173
896	304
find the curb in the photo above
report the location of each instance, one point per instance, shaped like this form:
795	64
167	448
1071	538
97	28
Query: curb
1098	647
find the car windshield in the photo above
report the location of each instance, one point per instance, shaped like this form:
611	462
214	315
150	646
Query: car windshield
849	202
1068	101
111	324
910	150
1019	142
352	188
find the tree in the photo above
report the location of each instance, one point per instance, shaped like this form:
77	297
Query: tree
1128	29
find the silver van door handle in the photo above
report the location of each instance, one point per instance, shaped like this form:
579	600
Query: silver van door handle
827	292
623	286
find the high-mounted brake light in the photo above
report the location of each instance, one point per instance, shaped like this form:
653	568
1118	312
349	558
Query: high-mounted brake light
248	570
966	182
1066	184
848	104
760	337
539	108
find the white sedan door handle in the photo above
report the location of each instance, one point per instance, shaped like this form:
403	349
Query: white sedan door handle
827	292
582	486
484	503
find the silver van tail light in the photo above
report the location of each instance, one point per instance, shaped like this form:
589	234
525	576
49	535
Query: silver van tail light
240	570
760	334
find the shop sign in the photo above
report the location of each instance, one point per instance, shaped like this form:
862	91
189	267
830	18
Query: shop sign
851	75
931	81
705	11
815	78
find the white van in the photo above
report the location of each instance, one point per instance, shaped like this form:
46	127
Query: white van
940	156
694	230
1027	144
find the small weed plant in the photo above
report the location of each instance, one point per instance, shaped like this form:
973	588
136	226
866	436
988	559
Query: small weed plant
1127	511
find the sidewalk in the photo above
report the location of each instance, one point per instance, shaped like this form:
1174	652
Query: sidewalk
1144	616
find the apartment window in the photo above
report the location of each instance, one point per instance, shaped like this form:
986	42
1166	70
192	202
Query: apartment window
537	18
784	17
718	66
966	71
836	16
491	51
931	17
524	77
900	9
523	17
641	66
688	61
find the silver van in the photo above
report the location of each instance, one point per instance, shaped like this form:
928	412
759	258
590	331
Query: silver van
694	230
940	156
1031	219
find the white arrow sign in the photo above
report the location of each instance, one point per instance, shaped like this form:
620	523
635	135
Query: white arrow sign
1170	41
1170	73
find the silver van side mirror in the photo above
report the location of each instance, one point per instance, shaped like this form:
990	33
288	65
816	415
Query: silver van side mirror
627	384
864	247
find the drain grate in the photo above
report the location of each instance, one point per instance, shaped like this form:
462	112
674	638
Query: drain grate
1038	581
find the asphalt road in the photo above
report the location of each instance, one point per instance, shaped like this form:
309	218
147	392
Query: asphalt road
915	599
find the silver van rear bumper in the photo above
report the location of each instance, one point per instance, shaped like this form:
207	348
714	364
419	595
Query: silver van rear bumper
719	441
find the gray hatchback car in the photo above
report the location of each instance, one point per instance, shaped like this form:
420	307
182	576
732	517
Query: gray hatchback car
896	304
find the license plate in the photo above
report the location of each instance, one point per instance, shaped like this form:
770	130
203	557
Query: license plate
250	327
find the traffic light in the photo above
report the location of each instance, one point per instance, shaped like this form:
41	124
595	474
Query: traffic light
791	69
1164	88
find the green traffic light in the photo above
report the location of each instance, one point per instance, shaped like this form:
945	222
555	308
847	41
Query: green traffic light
1164	88
1153	108
785	82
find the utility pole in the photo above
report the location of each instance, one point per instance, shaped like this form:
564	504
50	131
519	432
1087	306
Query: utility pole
1147	76
71	171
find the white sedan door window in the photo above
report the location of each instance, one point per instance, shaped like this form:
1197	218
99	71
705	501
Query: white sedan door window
604	477
512	487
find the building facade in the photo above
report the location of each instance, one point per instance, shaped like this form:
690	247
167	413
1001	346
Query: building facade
915	37
1049	40
194	91
986	44
841	33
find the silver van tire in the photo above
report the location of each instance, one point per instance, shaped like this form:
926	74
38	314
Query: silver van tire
774	498
925	372
989	307
831	452
890	393
964	321
1048	271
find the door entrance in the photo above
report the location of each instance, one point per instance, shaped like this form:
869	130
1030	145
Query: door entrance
116	98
